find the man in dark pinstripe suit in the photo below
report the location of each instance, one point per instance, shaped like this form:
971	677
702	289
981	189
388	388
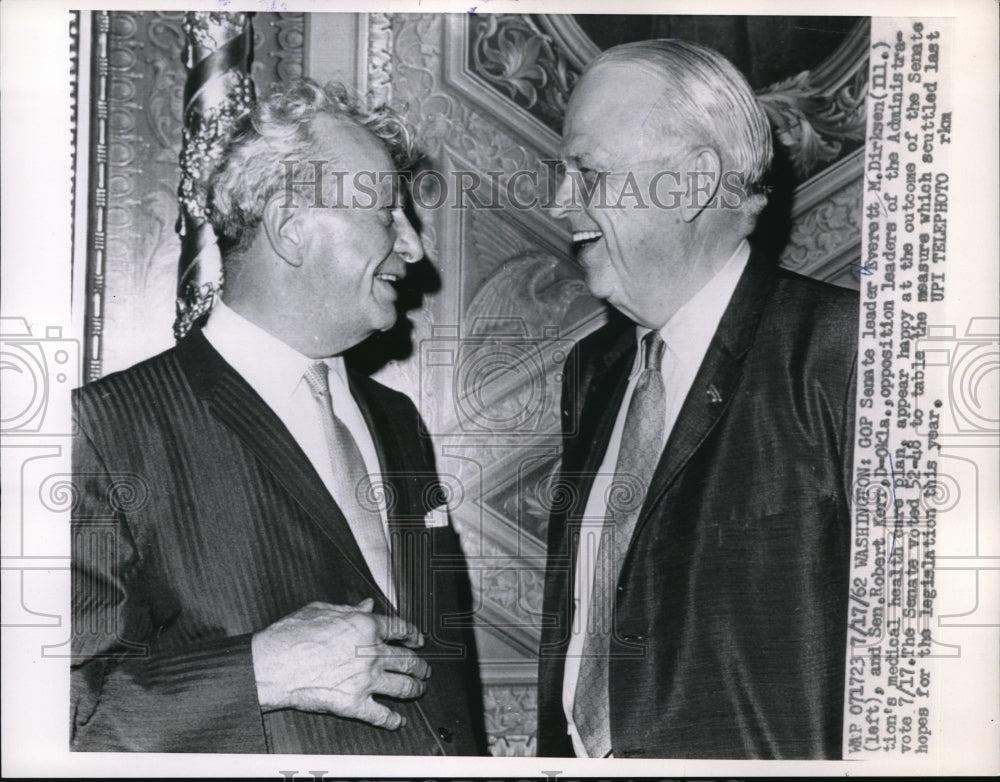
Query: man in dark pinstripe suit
229	592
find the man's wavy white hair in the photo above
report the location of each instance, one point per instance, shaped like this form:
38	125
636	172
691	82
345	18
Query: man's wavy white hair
279	129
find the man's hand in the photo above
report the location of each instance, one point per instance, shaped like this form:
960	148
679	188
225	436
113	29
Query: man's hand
332	659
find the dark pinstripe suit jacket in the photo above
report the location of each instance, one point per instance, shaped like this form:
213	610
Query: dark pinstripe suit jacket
730	611
199	521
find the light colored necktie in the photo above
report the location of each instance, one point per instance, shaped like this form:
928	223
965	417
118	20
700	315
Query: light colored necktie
351	481
641	444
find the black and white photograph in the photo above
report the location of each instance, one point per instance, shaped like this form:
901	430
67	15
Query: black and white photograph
539	391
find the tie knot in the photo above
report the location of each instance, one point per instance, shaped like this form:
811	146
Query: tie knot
317	377
652	351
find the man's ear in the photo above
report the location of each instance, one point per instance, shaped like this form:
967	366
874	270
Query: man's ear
704	175
284	229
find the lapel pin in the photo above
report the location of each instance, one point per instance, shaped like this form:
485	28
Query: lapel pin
713	394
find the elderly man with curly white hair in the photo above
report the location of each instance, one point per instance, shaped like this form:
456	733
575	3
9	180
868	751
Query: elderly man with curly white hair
283	582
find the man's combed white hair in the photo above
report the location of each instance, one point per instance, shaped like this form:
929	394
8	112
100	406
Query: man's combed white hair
704	99
280	129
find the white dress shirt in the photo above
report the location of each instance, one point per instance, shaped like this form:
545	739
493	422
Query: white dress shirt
687	336
276	372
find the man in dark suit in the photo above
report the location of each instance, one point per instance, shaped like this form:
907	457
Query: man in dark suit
696	587
261	562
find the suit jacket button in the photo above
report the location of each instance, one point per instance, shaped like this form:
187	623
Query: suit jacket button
445	735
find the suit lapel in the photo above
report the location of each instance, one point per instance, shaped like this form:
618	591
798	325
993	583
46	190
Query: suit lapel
237	406
387	446
403	511
717	379
604	380
605	389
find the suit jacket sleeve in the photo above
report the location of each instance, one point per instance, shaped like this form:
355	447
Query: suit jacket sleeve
202	698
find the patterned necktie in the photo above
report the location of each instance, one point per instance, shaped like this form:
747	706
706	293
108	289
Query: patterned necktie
641	444
351	481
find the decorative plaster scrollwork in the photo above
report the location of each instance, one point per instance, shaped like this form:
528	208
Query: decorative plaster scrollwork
165	105
517	590
510	52
442	121
826	222
817	113
537	492
165	32
814	128
530	286
511	714
380	47
829	229
166	102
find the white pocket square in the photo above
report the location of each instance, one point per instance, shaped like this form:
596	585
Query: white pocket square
438	517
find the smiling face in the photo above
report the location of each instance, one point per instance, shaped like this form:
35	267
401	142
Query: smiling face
355	248
640	255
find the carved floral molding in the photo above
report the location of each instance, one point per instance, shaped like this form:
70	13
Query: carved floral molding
511	53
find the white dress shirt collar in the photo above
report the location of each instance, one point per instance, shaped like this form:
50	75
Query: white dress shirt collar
688	333
273	368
